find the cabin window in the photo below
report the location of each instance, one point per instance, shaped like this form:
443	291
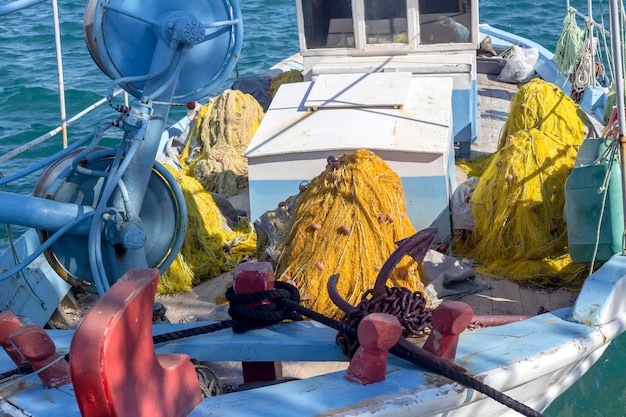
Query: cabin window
445	21
328	23
385	21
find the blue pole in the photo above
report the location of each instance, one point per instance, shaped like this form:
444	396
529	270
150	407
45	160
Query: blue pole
42	214
136	176
18	5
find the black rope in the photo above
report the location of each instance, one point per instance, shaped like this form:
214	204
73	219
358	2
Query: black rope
192	331
423	362
285	305
245	317
20	370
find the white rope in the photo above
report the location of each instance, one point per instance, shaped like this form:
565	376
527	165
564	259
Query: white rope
584	72
9	382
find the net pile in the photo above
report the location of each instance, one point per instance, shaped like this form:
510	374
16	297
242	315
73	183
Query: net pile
287	77
225	127
211	245
347	221
223	130
518	202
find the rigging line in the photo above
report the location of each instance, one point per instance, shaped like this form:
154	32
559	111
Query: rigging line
22	378
44	246
604	190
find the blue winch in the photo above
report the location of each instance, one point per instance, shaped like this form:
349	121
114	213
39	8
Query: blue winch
102	211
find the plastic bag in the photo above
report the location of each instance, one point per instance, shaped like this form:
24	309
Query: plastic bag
520	65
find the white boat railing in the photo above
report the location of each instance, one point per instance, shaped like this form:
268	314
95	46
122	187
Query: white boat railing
589	19
590	26
65	123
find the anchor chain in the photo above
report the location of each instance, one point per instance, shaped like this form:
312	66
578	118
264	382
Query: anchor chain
411	309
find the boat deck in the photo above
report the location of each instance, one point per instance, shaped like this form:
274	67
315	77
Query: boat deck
204	302
504	297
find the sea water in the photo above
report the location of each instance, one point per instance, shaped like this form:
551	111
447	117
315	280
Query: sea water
29	107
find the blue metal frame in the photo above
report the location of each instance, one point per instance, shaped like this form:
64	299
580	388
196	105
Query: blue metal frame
159	67
18	5
211	33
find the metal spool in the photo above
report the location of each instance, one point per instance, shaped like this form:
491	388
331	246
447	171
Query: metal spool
161	214
122	36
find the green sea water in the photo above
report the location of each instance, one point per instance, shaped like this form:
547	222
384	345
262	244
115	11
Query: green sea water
29	107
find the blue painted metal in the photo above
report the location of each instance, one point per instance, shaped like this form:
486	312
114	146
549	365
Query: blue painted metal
163	219
520	359
18	5
42	214
166	55
597	304
594	101
35	292
212	31
544	347
465	115
47	161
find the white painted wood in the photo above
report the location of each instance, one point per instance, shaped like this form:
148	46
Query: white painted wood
422	125
355	90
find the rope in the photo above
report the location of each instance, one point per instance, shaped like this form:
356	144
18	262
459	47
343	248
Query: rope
609	156
209	381
245	317
583	75
569	44
285	306
5	384
193	331
423	362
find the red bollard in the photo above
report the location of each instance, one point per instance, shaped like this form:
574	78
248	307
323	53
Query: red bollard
449	320
39	349
377	333
251	277
115	370
9	324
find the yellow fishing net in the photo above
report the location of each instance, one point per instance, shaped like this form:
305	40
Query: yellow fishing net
211	246
347	221
518	202
223	129
291	76
225	126
541	105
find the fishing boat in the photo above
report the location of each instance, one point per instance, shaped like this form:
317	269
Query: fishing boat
111	220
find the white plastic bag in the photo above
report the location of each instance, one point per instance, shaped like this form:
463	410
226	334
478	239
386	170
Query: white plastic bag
520	65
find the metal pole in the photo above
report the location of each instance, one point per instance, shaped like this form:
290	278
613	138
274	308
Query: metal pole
616	46
18	5
57	44
42	214
592	48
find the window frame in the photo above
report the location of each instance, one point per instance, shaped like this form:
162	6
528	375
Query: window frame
413	31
